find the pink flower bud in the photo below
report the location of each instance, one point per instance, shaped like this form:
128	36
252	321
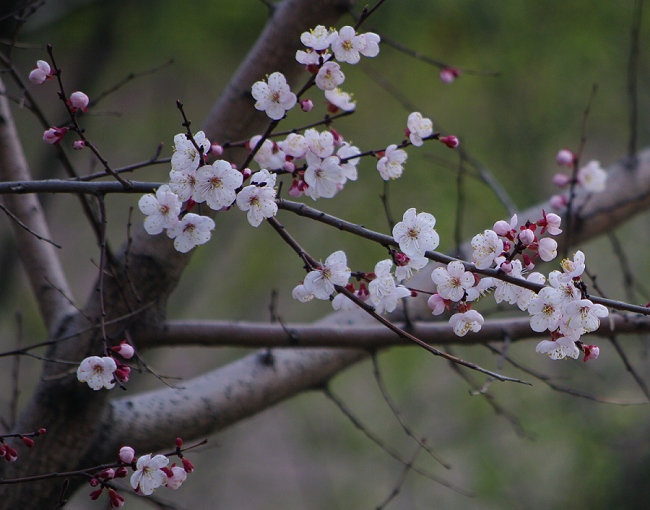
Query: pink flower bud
125	349
306	105
42	431
506	266
558	201
41	73
121	472
527	236
179	442
449	74
108	473
338	138
591	352
127	454
289	166
116	500
296	190
94	495
78	101
122	373
561	180
450	141
94	482
216	149
502	228
11	455
54	135
565	158
28	441
78	145
188	466
246	172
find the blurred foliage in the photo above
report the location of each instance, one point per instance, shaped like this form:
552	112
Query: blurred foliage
304	454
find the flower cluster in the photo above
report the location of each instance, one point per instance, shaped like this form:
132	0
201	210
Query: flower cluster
149	473
105	371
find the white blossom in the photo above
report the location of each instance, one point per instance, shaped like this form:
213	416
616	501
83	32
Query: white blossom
329	76
97	372
419	127
384	293
318	38
185	157
464	322
162	209
192	230
334	271
487	246
340	99
258	199
416	234
216	184
390	165
452	281
592	177
149	474
274	97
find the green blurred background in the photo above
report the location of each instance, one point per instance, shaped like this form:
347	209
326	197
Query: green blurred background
304	453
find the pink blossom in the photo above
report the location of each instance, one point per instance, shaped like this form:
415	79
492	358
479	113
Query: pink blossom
54	135
41	73
565	157
78	101
591	352
127	454
329	76
449	74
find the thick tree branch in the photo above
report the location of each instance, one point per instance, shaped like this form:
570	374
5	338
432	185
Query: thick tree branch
40	259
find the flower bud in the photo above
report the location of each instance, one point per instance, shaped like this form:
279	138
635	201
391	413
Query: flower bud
78	101
306	105
78	145
54	135
41	73
561	180
127	454
449	74
558	201
28	441
116	500
527	236
124	349
216	149
450	141
565	158
591	352
94	495
188	466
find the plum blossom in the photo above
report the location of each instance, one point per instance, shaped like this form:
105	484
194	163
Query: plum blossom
340	100
384	293
463	322
390	165
321	144
371	49
329	76
324	177
295	145
216	184
40	73
334	271
349	167
453	281
487	246
574	268
149	474
300	293
437	303
419	127
343	303
275	97
318	38
547	249
416	234
506	291
54	135
525	295
124	349
97	372
592	177
550	223
269	155
559	347
185	157
78	101
347	45
178	476
309	58
258	199
183	183
406	265
192	230
583	315
545	310
162	209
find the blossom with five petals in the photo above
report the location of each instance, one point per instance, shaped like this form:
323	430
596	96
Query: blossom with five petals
416	234
274	97
149	474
